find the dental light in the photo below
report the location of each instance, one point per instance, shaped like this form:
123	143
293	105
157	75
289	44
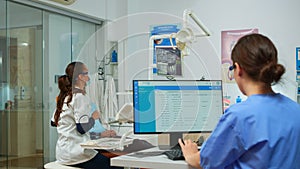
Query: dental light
185	36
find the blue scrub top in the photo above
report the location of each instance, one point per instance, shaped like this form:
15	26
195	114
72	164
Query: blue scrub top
261	132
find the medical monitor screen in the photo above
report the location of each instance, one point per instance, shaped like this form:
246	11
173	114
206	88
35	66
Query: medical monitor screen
185	106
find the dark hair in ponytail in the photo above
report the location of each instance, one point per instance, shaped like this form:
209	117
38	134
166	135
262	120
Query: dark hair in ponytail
257	55
66	86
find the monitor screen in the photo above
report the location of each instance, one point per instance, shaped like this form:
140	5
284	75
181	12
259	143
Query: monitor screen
184	106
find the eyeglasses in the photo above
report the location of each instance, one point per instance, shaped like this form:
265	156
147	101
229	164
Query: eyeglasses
230	72
84	73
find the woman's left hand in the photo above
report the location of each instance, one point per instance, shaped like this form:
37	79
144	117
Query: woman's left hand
96	115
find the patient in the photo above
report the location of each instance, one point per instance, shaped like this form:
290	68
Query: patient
260	132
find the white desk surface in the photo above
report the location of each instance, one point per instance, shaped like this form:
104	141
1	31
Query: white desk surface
155	162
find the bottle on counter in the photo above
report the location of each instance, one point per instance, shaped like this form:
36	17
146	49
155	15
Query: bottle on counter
238	99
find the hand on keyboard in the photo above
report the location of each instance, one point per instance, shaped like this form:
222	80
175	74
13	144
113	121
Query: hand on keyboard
174	153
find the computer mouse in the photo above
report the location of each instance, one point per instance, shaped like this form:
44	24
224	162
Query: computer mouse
200	141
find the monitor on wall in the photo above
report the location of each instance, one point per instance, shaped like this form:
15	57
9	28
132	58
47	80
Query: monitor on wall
176	107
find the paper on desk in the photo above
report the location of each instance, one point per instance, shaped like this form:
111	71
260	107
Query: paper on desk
105	143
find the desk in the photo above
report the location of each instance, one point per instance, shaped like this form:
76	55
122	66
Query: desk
155	162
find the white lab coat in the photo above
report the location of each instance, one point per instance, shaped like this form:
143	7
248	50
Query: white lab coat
68	149
110	99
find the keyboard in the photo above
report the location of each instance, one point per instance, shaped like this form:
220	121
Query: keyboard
174	154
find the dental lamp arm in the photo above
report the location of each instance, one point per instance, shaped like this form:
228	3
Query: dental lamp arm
190	13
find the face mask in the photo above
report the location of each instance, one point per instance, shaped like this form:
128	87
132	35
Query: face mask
87	83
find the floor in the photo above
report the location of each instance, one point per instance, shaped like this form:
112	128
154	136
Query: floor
29	162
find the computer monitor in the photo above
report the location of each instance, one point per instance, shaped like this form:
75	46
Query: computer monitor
176	107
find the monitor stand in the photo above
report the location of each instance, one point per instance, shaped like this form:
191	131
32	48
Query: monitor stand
173	141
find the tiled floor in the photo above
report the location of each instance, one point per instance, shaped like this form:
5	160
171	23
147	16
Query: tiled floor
12	167
30	162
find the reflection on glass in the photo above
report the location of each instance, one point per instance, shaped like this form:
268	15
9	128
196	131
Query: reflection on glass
22	57
27	71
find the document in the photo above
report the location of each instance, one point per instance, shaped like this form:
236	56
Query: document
107	143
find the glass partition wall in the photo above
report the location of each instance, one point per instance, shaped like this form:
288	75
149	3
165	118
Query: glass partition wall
21	36
35	47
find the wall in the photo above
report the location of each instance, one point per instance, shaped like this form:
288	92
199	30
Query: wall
274	19
277	20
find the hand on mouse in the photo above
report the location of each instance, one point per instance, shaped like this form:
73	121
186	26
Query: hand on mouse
190	152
